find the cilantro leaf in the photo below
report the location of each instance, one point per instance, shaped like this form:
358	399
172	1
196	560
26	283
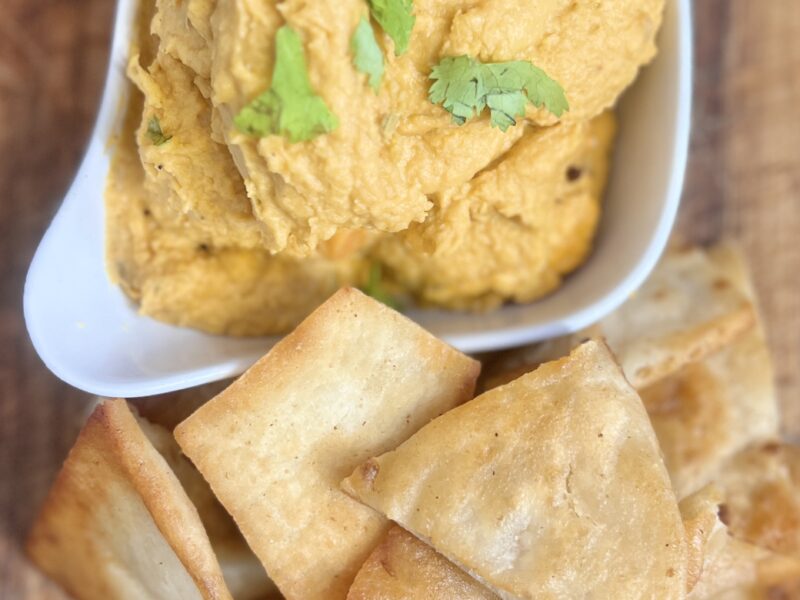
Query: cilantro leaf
396	18
374	287
465	86
290	106
155	133
367	55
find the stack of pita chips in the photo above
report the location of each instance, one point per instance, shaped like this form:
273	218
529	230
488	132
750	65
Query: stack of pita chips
130	517
637	459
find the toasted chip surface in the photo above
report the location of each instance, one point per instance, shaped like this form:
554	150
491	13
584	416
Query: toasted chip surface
118	524
687	309
762	493
353	380
403	568
549	487
710	410
717	561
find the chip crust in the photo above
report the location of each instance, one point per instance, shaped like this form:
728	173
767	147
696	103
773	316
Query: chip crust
355	379
549	487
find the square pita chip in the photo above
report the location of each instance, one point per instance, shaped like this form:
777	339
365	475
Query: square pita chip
686	310
355	379
403	568
550	486
118	524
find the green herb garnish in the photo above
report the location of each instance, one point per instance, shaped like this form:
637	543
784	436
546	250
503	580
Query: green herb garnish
396	18
465	86
155	133
367	55
375	287
290	106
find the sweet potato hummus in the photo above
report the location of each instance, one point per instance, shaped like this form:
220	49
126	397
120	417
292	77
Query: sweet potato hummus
218	229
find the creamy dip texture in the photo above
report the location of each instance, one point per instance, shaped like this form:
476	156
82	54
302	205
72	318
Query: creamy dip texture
212	228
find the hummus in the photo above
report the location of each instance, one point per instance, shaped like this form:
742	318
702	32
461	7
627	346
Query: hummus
214	229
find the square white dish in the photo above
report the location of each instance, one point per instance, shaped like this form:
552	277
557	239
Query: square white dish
91	336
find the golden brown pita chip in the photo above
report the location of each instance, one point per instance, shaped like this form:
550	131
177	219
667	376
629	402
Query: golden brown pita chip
118	524
403	568
762	496
686	310
353	380
550	486
711	409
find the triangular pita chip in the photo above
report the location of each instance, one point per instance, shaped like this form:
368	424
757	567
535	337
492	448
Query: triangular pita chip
353	380
685	310
118	524
550	486
403	568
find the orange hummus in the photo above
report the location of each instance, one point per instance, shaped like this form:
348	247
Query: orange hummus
218	230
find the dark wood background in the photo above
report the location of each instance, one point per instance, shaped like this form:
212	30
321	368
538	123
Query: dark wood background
743	182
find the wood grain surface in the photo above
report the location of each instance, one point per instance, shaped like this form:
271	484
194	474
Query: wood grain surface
743	182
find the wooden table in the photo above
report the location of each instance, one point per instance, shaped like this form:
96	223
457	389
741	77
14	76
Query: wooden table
743	182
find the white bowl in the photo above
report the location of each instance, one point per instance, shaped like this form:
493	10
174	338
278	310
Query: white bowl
90	335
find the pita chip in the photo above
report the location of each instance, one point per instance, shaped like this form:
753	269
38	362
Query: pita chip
355	379
403	568
762	496
118	524
686	310
711	409
550	486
